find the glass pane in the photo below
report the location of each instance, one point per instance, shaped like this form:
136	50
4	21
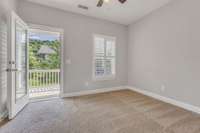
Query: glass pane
110	48
109	66
21	35
99	46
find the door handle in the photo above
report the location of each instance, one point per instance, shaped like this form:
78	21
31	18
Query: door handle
12	70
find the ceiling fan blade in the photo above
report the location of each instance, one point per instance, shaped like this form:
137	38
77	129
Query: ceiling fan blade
122	1
100	3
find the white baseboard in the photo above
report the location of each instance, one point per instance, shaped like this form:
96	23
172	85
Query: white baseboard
144	92
3	115
96	91
167	100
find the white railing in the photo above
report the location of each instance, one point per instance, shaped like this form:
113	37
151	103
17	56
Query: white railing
44	78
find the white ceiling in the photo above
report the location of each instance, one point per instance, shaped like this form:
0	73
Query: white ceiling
113	11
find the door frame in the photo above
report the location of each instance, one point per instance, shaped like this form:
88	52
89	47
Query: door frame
61	31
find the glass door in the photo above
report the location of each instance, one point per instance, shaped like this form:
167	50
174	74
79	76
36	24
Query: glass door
18	93
20	61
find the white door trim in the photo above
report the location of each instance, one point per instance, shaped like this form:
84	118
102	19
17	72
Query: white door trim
61	31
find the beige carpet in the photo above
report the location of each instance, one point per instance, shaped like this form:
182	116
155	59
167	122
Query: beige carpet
114	112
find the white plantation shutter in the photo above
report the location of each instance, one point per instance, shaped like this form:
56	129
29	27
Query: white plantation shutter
3	66
104	57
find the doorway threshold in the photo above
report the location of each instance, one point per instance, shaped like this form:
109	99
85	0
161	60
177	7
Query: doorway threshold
43	93
44	98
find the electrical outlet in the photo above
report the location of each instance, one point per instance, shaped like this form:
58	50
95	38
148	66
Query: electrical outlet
162	88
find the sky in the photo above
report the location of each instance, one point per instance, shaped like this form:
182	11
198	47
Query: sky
43	36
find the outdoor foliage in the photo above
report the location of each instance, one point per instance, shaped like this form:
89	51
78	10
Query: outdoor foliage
37	62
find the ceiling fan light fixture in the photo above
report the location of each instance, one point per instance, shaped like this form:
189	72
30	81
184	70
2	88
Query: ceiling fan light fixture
100	2
122	1
106	1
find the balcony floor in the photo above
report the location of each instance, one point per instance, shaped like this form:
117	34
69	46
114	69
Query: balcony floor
43	92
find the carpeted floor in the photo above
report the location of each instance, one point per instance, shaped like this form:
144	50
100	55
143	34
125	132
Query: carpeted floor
113	112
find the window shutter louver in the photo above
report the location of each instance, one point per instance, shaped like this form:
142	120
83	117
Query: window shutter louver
104	57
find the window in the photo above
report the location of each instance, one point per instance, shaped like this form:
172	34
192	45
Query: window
104	57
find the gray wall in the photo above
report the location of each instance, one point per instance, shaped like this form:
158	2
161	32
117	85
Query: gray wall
164	49
78	44
5	7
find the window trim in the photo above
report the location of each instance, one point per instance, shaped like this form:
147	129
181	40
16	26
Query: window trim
108	77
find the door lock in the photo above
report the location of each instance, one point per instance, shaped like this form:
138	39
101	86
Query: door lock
12	62
11	70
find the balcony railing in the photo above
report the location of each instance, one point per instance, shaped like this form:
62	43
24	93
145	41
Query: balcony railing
44	78
43	82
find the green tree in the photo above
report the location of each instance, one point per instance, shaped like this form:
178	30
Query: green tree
37	62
